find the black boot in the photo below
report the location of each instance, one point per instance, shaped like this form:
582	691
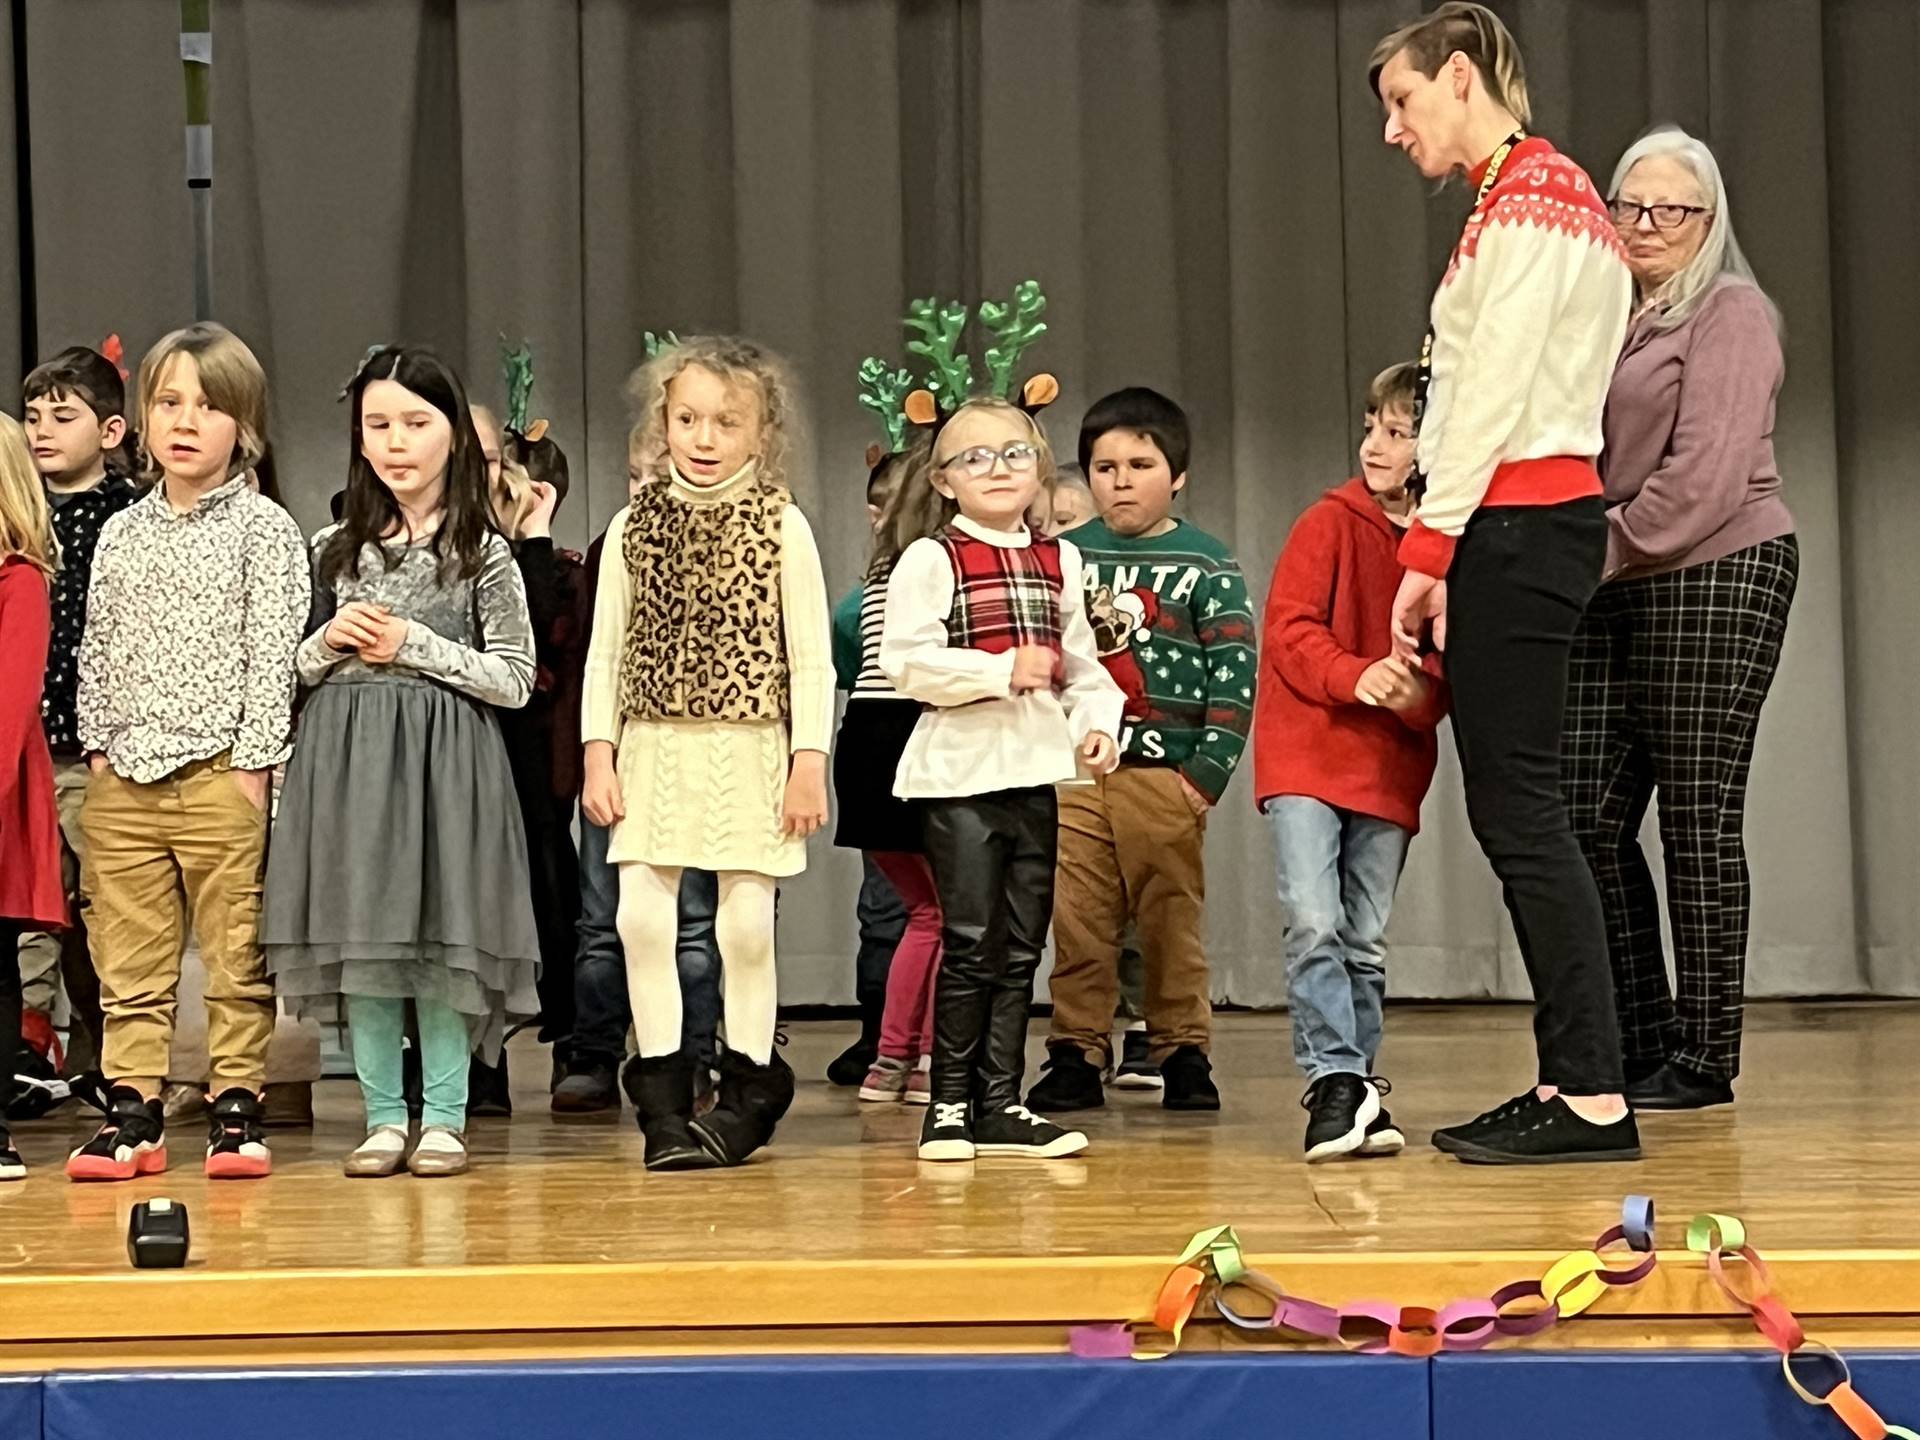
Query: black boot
850	1066
752	1100
661	1089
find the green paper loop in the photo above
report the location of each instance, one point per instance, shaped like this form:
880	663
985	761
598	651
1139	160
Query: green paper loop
1221	1246
1700	1232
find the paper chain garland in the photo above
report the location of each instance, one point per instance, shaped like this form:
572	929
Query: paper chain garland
1213	1265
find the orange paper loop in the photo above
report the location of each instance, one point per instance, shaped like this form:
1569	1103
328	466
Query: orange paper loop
1417	1333
1859	1416
1178	1297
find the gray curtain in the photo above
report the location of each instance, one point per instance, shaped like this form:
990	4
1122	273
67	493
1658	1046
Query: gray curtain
1201	187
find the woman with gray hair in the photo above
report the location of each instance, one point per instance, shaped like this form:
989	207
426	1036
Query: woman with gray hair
1678	649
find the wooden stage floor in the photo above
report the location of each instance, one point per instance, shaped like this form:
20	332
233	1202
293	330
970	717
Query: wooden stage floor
559	1243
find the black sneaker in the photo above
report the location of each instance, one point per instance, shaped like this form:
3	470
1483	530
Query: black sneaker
1675	1087
1136	1071
1383	1136
132	1141
1339	1110
1453	1137
1069	1082
1188	1075
487	1089
591	1087
947	1132
1549	1133
12	1167
850	1066
236	1140
1016	1130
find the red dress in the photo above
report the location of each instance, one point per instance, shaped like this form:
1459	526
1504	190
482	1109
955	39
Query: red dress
30	888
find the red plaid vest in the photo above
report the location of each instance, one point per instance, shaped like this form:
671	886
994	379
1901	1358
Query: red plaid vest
1003	595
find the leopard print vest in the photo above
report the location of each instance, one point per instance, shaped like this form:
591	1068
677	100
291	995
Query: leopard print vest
704	640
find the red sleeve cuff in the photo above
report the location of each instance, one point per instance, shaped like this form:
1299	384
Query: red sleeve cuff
1428	551
1343	674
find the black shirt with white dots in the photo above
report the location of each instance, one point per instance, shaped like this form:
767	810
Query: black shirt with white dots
77	518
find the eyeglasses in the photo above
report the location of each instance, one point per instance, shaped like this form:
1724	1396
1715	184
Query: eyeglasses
979	462
1626	214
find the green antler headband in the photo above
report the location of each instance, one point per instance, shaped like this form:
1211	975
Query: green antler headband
658	345
1013	327
517	366
940	327
884	391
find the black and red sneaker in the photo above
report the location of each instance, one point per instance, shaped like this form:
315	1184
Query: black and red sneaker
236	1138
132	1141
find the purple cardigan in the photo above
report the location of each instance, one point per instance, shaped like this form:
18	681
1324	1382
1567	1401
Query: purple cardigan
1689	467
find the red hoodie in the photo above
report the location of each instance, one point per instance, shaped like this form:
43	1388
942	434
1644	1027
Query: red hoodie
1330	616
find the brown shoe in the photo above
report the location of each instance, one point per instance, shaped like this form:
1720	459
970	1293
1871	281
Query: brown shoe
439	1151
288	1106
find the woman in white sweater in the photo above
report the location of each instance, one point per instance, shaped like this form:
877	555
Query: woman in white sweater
1507	544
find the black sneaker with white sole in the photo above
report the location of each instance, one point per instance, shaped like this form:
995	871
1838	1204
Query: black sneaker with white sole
947	1132
1548	1132
1383	1137
1136	1070
1016	1130
1339	1110
12	1167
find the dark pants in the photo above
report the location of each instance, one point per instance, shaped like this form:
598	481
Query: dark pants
992	858
555	871
883	920
9	1011
1669	674
600	968
1521	578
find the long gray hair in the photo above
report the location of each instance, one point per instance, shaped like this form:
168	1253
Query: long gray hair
1720	253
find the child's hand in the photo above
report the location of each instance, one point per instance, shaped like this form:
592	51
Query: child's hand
354	627
539	521
254	784
1391	683
1032	668
803	810
1421	599
1196	801
390	631
600	798
1100	752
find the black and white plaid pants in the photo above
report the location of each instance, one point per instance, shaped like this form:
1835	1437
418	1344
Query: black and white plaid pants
1664	692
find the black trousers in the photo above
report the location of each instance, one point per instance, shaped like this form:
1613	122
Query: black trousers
992	858
1669	674
1521	578
9	1011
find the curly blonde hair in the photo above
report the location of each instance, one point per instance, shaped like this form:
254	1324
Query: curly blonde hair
26	521
737	361
917	510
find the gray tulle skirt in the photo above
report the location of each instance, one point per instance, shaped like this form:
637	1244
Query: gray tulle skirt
398	863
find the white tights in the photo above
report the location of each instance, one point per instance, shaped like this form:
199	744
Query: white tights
649	925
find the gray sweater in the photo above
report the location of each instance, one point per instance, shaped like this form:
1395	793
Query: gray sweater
1689	466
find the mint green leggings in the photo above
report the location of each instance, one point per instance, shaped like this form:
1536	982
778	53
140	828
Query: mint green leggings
377	1026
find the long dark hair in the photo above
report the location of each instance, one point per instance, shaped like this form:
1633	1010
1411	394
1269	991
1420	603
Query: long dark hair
370	511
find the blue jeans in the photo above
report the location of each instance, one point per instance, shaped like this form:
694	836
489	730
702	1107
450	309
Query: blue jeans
600	965
1337	872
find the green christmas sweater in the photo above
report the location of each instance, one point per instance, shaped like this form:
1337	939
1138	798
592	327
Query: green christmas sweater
1174	627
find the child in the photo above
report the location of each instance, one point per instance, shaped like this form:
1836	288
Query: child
885	829
602	1012
30	888
542	737
76	425
986	626
1072	501
198	598
881	918
399	865
707	711
1344	756
1170	617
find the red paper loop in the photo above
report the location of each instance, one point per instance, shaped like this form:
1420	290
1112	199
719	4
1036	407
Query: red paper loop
1416	1332
1763	1279
1778	1324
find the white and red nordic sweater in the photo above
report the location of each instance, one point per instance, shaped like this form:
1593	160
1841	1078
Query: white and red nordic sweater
1527	324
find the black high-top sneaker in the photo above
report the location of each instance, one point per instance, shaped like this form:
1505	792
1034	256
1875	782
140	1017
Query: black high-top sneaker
1016	1130
132	1141
236	1138
947	1132
12	1167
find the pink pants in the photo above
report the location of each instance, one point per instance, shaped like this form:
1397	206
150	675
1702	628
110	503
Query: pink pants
906	1024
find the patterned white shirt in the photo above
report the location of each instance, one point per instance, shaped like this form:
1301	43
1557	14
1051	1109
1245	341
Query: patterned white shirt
192	623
